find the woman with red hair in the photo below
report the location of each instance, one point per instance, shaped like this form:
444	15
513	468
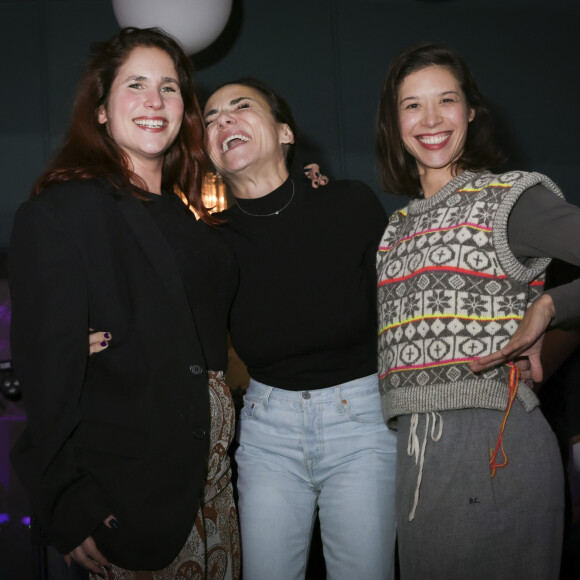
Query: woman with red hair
125	455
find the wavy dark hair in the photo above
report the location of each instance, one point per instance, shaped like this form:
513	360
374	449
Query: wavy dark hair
278	106
397	168
90	152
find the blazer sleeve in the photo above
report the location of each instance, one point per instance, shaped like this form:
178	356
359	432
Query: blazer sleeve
49	294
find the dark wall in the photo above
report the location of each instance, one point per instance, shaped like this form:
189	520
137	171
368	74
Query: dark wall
328	58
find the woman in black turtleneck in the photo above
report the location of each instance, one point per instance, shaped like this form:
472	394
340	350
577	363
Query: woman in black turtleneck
304	321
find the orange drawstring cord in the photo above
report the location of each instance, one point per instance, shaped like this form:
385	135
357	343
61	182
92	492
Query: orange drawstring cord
513	385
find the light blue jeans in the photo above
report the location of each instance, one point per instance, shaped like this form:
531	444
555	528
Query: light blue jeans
327	448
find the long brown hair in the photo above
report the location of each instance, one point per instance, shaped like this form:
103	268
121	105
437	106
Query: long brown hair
90	152
397	167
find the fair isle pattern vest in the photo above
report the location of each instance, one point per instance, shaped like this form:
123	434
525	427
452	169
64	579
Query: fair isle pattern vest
450	290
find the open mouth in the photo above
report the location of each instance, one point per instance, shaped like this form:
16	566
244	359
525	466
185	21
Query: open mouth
233	141
434	140
150	123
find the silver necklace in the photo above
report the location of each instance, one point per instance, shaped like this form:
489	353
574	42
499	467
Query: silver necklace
269	214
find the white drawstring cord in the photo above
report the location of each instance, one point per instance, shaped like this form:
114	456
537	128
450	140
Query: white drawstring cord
419	453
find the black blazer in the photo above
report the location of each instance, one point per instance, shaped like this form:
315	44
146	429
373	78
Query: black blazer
125	432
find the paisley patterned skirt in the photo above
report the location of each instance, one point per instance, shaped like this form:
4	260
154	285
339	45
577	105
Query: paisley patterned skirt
212	550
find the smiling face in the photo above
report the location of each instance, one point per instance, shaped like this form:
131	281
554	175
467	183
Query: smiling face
144	108
434	118
243	137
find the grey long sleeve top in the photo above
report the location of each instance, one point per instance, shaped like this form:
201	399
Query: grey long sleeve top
542	224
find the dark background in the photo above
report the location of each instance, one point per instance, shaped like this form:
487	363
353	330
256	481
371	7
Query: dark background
328	58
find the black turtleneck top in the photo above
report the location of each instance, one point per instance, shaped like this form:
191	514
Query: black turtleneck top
304	316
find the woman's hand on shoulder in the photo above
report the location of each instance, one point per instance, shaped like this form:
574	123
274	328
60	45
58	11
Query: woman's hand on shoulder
526	341
98	341
312	172
88	555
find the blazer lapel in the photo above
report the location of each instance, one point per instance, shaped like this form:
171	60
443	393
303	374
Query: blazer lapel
161	257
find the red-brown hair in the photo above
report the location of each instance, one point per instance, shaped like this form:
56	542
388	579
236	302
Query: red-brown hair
90	152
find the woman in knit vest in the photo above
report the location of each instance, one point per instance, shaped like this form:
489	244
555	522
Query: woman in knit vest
461	272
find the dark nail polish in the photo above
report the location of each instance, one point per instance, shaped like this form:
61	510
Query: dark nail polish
114	524
315	183
316	174
107	335
104	343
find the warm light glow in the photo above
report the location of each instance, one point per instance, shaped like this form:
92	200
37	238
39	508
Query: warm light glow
213	194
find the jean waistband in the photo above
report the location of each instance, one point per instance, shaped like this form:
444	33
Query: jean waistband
361	386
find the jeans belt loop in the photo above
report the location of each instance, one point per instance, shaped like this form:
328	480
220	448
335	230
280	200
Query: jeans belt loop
338	397
267	398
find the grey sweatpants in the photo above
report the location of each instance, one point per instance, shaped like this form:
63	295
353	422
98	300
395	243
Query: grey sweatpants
467	525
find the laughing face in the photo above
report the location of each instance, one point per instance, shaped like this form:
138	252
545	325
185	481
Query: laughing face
434	118
144	109
242	134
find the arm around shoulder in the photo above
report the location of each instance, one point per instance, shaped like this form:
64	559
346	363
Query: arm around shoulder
367	202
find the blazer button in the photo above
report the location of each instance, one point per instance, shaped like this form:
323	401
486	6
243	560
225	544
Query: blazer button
199	433
195	370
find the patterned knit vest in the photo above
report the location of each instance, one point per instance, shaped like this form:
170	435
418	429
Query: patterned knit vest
450	290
